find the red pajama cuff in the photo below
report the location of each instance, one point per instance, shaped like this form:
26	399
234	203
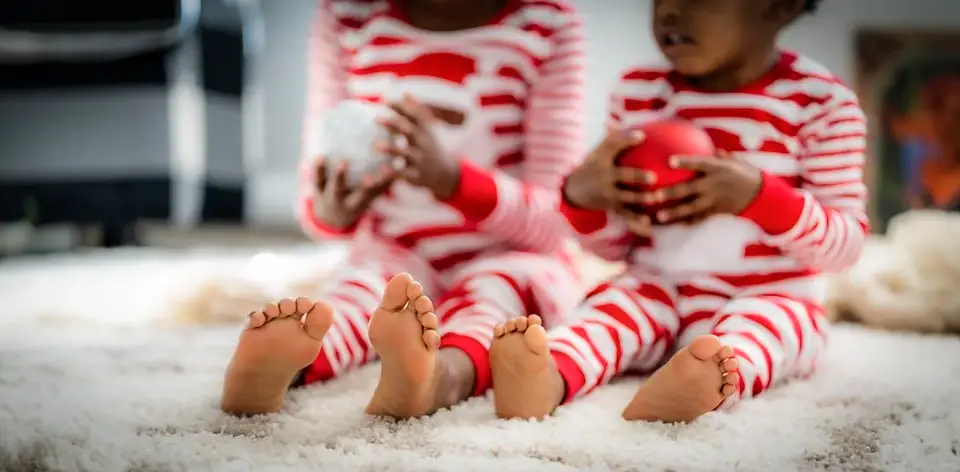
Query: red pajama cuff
583	221
478	354
476	195
321	370
572	376
776	208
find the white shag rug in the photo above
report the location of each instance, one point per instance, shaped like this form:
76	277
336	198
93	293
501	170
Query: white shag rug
94	377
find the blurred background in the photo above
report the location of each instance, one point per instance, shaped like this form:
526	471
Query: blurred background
177	123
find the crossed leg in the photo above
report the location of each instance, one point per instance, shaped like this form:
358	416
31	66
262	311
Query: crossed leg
750	344
629	322
774	337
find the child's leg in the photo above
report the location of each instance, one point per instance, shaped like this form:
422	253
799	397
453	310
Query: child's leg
630	321
755	341
775	338
416	380
695	381
298	342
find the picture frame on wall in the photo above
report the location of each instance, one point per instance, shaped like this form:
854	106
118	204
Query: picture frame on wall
909	85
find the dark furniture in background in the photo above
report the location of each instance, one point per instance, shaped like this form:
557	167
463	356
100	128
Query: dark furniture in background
116	111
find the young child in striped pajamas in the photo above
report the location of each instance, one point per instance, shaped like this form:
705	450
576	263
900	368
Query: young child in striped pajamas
489	94
724	308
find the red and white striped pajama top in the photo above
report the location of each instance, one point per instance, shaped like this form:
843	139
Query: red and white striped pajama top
496	249
753	279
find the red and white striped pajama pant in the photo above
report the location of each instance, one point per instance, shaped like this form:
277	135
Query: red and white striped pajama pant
470	299
636	322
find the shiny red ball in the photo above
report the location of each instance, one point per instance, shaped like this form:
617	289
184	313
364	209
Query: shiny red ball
663	140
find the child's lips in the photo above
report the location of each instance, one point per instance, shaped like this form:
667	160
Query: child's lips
675	39
675	43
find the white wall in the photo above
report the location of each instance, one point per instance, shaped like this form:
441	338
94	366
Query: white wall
618	35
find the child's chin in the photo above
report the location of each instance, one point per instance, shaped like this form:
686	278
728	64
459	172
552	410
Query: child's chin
692	67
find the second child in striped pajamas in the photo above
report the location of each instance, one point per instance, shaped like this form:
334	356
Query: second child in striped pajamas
722	309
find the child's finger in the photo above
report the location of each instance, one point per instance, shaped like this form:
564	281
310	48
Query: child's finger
630	175
692	209
678	192
400	125
617	142
370	189
382	182
320	179
409	109
634	197
412	155
338	188
421	113
698	163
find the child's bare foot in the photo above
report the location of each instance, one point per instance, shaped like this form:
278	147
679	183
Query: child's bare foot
404	333
693	382
277	343
526	382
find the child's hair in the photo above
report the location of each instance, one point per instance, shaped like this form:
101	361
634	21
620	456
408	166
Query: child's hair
811	5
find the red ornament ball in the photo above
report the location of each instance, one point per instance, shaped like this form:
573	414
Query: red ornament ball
662	141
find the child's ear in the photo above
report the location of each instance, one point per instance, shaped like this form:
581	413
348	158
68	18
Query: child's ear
783	12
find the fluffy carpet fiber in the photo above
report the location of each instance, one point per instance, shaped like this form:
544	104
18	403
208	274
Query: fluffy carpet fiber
95	377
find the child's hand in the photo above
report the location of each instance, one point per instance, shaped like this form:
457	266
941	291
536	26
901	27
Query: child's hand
726	185
338	205
594	184
426	163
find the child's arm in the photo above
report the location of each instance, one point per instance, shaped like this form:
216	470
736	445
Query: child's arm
523	211
824	224
326	86
603	233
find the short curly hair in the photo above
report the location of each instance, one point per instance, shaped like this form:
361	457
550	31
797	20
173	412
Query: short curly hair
811	5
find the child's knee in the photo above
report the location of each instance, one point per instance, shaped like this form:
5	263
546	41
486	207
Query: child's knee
795	325
776	307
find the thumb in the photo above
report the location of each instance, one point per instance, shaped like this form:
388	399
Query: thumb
362	197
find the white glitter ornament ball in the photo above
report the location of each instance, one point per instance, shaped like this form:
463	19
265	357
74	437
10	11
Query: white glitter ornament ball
349	133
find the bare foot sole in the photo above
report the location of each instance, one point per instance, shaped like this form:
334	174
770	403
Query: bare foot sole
526	382
692	383
403	331
277	342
